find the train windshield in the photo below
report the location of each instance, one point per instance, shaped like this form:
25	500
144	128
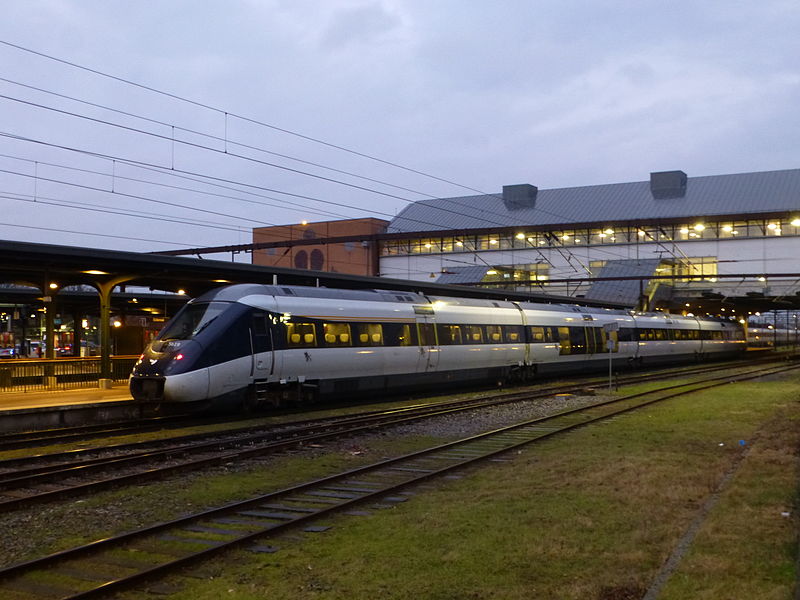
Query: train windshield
191	320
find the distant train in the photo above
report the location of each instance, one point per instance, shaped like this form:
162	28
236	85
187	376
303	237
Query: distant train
768	336
258	344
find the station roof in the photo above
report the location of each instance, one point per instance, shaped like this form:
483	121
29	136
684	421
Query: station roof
766	193
38	265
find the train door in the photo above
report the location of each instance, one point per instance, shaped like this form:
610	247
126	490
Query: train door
428	347
263	360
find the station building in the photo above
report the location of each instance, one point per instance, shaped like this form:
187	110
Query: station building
668	241
674	235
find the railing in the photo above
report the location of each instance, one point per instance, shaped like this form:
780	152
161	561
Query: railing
24	375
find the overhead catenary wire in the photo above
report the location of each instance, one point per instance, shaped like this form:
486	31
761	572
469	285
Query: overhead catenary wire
226	140
71	204
228	114
305	208
193	173
108	235
240	156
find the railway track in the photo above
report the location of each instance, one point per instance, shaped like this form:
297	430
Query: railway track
30	480
127	560
62	435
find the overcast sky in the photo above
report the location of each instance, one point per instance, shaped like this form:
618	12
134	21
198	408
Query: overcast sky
480	94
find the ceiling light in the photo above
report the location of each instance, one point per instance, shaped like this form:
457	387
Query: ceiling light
772	226
795	223
94	272
699	227
727	229
684	230
54	286
520	236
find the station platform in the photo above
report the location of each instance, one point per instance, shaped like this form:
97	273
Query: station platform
45	409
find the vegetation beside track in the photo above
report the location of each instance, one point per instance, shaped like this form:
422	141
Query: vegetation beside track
591	515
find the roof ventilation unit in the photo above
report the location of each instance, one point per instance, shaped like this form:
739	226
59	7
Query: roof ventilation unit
522	195
668	184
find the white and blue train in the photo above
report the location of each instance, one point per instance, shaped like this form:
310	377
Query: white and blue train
253	344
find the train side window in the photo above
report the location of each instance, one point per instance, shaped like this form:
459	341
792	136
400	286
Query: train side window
577	338
473	334
261	339
596	339
625	334
427	334
367	334
336	334
537	334
300	335
399	334
564	341
493	333
449	335
512	334
659	334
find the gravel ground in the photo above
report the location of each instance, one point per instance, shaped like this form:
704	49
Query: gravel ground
29	533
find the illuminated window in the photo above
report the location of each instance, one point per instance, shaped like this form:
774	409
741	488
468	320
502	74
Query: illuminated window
300	335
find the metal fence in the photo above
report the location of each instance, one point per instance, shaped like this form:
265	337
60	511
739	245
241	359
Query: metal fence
22	375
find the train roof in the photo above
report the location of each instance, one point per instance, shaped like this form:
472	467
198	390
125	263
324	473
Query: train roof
234	293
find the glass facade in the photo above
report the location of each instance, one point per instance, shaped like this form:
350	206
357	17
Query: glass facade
611	235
